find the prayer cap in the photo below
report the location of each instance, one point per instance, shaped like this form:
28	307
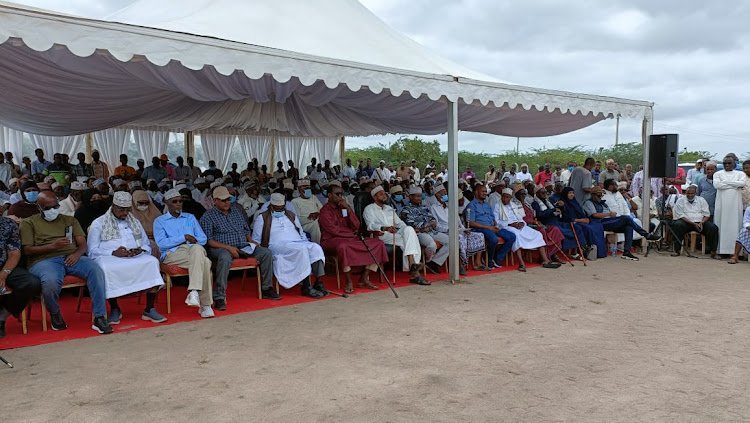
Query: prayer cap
12	181
122	199
278	199
376	190
117	182
396	188
415	190
622	185
172	193
508	191
334	183
288	185
78	186
303	183
382	162
215	184
55	185
180	186
49	179
134	184
200	180
98	182
439	187
221	193
82	178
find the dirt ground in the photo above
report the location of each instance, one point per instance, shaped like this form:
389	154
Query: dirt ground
663	339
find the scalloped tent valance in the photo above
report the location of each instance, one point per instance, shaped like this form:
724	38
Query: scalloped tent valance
258	66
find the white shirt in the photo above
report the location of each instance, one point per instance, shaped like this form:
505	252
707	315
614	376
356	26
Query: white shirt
694	212
304	207
381	174
5	172
349	171
520	176
377	217
98	248
416	173
617	203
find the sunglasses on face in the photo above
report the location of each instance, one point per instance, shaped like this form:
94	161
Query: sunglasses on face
176	201
142	203
50	207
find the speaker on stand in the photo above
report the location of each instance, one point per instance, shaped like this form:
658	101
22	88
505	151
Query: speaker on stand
663	149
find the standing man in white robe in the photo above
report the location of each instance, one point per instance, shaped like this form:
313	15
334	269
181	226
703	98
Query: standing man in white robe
294	257
381	219
526	238
118	243
728	215
307	208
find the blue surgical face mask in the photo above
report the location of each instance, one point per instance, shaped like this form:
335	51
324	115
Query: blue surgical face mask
398	197
308	193
424	196
325	192
691	199
570	168
277	214
212	167
232	199
444	199
31	196
229	185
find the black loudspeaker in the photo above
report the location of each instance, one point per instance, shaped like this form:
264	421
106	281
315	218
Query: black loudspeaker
662	155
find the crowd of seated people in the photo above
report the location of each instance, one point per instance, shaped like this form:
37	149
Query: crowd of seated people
93	221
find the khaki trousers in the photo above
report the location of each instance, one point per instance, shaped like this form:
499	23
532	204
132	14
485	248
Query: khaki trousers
193	257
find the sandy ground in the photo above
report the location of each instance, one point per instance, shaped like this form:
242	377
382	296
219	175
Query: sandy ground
662	339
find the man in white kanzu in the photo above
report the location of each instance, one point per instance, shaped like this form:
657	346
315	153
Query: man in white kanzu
381	219
118	243
728	214
294	257
526	238
308	207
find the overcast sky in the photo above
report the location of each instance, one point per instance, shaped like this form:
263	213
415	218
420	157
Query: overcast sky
691	58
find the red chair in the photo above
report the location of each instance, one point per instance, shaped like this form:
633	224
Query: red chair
169	272
244	264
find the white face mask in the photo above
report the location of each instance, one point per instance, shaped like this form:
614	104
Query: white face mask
142	208
51	214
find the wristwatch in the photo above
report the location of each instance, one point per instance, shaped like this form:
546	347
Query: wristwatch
7	271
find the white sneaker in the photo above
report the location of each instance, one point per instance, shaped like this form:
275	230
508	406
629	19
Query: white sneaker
206	312
192	299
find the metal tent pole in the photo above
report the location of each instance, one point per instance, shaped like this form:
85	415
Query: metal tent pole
648	129
617	131
453	258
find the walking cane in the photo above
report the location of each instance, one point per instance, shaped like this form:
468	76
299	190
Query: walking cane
382	272
580	250
6	362
559	248
393	215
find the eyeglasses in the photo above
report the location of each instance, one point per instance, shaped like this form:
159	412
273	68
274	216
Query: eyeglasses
142	203
278	210
224	200
50	207
176	201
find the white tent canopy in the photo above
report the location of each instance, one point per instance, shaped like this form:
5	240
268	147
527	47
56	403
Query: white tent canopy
69	75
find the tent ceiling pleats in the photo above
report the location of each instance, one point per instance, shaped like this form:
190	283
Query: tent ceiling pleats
258	66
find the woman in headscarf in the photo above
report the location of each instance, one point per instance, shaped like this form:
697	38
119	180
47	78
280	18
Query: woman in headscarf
549	214
146	212
27	207
92	206
593	231
551	234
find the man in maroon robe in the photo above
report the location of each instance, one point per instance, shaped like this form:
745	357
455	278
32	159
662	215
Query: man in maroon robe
339	232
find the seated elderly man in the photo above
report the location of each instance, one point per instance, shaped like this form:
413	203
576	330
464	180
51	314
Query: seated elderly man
118	243
691	213
54	246
294	257
250	199
23	284
468	242
481	218
596	208
743	238
229	238
396	199
339	229
70	204
421	219
308	207
181	239
381	219
526	238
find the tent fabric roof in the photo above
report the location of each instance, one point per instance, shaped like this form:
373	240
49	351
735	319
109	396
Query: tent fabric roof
356	76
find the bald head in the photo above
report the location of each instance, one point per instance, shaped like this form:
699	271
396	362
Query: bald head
47	199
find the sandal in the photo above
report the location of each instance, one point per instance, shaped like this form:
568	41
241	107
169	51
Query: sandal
419	281
349	287
521	268
368	285
732	261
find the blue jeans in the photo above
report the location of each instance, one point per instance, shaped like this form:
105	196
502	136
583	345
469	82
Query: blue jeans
492	239
623	225
52	271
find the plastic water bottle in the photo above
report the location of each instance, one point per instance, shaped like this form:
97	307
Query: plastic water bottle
614	250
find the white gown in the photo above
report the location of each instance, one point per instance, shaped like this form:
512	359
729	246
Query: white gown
305	207
728	214
123	275
377	217
526	238
292	252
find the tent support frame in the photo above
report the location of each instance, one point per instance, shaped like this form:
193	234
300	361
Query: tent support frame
648	130
453	258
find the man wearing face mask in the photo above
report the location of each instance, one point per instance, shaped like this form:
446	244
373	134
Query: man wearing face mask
69	205
229	238
691	213
396	199
28	206
213	171
294	257
119	245
421	219
308	208
55	245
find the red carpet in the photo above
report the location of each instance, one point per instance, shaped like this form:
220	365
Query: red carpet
79	324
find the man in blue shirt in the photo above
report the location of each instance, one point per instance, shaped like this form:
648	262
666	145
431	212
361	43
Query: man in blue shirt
481	218
229	238
40	164
180	239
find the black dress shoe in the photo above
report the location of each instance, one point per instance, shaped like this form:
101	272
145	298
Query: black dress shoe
270	294
318	286
57	321
220	304
311	292
2	329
